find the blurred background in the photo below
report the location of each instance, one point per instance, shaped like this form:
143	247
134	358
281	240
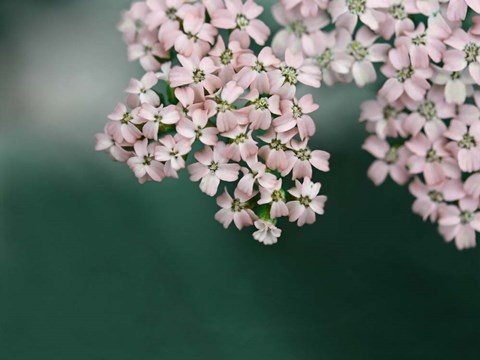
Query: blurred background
95	266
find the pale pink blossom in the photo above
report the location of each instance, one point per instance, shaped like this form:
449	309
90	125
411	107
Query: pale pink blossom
457	9
156	117
302	159
296	114
460	223
384	119
197	72
254	69
197	128
241	146
226	58
465	54
276	197
133	21
456	84
256	173
172	152
235	209
391	161
267	232
143	163
346	13
213	167
262	109
276	150
140	91
242	17
307	203
122	126
147	50
466	145
106	142
196	37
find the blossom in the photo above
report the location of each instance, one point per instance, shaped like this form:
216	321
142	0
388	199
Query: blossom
466	144
235	209
295	114
106	142
460	223
195	71
140	91
262	109
143	163
345	13
211	168
147	50
197	128
391	160
267	232
256	173
156	117
276	150
307	203
171	152
243	18
465	54
276	197
302	159
122	127
196	36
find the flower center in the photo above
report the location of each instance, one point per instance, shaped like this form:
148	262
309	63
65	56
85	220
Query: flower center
357	50
174	153
237	205
198	132
242	21
466	217
405	74
467	142
297	28
147	49
454	75
157	118
432	156
325	59
276	144
278	195
198	75
289	74
259	67
261	104
305	201
226	57
127	117
428	110
436	196
357	7
297	111
303	154
398	12
472	51
389	112
171	13
147	160
192	36
240	139
392	156
213	166
223	106
420	39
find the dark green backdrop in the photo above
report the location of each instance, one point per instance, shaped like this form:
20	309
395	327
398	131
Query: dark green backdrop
95	266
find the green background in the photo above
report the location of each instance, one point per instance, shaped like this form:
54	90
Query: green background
95	266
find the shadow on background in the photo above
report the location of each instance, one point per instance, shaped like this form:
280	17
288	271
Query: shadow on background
95	266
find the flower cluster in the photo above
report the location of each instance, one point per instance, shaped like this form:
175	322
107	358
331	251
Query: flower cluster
212	105
425	122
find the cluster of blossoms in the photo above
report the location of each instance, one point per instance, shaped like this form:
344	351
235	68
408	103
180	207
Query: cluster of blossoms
228	114
425	122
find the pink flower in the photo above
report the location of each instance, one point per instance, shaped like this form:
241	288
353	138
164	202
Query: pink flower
295	114
172	152
345	13
404	78
457	84
157	116
197	128
465	54
143	163
226	58
227	116
122	127
460	223
132	22
432	159
106	142
276	150
162	11
302	160
256	174
307	203
429	200
242	146
140	91
267	233
235	209
391	160
308	8
428	114
472	186
243	18
467	144
261	109
276	197
254	69
296	70
383	118
196	36
195	71
147	50
364	52
212	167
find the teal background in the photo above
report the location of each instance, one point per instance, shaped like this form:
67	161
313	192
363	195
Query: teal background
95	266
